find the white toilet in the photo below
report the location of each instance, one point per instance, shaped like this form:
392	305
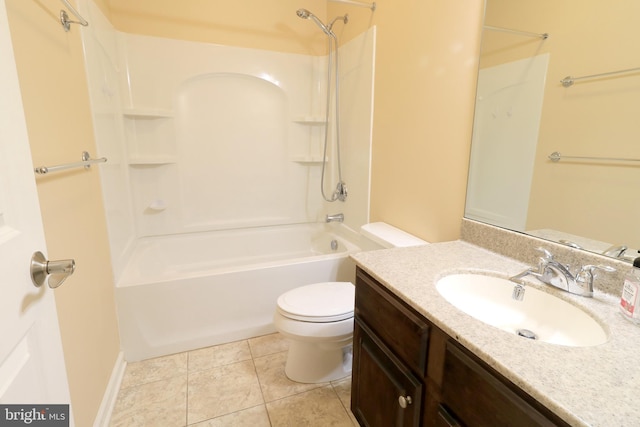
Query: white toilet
318	319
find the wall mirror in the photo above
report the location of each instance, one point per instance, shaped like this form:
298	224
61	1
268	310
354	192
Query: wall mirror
556	141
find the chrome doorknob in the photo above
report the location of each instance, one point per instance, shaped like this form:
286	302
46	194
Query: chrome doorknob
404	401
54	273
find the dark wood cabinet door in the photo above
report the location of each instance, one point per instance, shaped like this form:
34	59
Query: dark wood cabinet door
478	396
402	330
382	385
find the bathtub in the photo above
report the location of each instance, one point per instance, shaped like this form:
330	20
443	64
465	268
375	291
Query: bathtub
184	292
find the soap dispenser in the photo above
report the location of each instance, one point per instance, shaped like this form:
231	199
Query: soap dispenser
630	299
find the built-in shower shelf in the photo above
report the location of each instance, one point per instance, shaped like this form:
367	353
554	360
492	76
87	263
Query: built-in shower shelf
152	161
147	113
307	159
310	120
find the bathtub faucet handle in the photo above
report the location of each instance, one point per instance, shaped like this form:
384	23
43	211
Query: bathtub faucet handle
335	218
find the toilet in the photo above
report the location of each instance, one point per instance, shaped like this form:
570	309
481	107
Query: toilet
317	319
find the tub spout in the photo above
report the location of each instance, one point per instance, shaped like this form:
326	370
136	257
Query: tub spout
335	218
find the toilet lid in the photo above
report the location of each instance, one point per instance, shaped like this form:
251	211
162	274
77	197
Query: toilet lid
320	302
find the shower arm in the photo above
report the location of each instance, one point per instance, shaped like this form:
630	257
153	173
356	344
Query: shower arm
344	19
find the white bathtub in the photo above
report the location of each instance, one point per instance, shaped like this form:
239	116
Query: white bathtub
184	292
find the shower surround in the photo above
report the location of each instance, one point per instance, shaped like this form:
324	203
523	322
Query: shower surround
204	138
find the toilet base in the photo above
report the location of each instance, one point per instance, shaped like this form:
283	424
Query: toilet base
313	363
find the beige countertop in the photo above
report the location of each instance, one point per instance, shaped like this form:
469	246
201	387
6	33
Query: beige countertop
586	386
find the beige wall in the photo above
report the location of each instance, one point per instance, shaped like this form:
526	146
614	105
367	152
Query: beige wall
104	7
424	91
424	87
54	91
271	25
426	72
591	118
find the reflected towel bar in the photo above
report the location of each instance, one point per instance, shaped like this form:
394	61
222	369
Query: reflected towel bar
371	6
556	157
86	163
543	36
568	81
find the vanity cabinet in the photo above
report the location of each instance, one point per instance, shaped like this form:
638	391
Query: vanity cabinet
407	372
390	355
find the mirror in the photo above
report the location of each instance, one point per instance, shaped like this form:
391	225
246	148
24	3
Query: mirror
585	195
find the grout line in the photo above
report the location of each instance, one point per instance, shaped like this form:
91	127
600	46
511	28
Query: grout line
347	410
186	408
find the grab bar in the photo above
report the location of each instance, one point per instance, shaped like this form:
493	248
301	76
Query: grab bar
64	17
556	157
543	36
568	81
86	162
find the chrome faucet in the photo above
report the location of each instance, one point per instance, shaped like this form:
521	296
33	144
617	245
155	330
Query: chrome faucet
335	218
616	251
553	273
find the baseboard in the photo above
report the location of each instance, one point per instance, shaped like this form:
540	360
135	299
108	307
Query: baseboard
111	393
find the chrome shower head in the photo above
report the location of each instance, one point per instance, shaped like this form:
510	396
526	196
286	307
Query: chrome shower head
305	14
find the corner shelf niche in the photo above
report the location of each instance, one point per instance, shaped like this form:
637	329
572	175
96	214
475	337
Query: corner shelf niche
313	122
310	121
151	160
147	113
310	160
150	136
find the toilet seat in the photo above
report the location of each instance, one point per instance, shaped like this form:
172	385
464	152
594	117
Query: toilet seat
319	302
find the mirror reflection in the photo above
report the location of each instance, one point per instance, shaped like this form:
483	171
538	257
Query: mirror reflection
559	161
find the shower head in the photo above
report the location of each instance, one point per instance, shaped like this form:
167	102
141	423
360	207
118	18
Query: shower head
305	14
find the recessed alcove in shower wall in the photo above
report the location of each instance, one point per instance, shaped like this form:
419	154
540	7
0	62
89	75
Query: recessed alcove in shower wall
233	152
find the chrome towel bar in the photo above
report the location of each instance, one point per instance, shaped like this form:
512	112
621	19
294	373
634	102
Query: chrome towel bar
543	36
86	163
568	81
556	157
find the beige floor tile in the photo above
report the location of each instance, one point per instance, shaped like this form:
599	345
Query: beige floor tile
252	417
222	390
274	382
158	403
268	344
219	355
316	408
160	368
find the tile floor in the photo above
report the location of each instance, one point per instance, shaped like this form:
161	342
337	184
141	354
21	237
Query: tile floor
236	384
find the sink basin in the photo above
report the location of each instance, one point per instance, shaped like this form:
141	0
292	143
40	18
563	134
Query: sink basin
539	315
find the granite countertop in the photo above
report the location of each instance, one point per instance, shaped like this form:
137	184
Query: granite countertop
585	386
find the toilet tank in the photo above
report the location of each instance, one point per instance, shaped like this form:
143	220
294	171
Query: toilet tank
389	236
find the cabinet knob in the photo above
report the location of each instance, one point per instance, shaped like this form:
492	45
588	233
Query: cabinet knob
404	401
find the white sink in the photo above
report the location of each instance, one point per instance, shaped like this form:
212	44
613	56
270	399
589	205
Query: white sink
550	319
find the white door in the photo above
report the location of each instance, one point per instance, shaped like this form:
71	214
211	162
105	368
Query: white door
32	367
